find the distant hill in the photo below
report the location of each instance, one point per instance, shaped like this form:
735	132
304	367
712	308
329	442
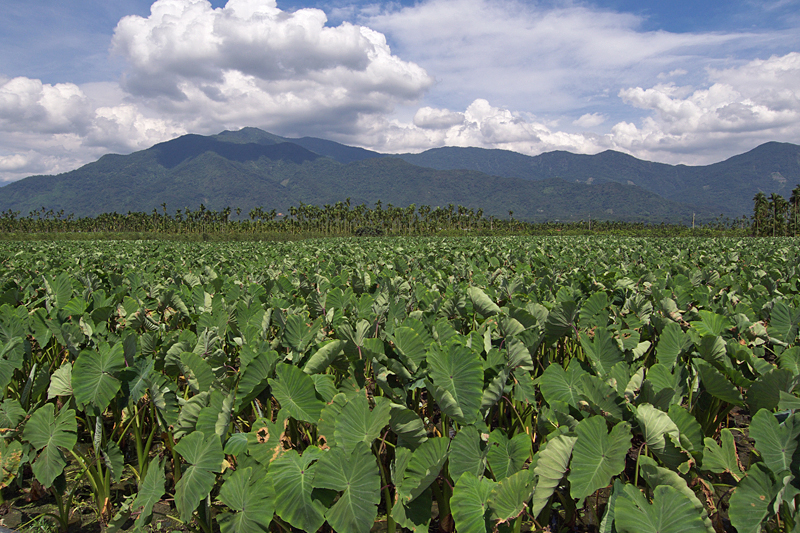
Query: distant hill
253	168
726	187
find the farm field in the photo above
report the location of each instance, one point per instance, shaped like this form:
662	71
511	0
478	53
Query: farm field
402	384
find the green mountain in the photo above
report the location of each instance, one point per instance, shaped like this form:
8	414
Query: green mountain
252	168
726	187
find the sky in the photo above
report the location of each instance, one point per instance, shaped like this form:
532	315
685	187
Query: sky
680	82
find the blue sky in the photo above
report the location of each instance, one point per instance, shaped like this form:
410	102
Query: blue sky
681	82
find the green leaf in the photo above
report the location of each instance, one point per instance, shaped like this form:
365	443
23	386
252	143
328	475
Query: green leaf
357	475
592	311
560	320
253	378
324	356
752	500
93	378
603	352
291	475
205	457
416	516
671	344
48	433
597	456
562	385
720	459
470	504
410	347
509	496
670	512
551	467
691	431
507	456
422	469
467	454
661	435
150	492
765	392
656	476
295	391
483	304
61	382
710	323
298	334
408	427
356	423
777	443
783	323
197	371
717	384
456	381
10	460
252	496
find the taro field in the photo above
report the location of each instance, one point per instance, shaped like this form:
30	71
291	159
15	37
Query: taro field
356	385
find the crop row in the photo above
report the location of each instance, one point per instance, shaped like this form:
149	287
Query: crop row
461	384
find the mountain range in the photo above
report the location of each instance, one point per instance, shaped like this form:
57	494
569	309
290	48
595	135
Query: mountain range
253	168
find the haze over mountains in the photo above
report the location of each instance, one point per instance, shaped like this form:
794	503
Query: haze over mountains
252	168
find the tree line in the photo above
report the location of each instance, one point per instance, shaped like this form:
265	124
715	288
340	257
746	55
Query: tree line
339	219
774	216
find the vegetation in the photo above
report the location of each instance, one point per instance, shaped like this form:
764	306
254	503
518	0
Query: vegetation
774	216
340	219
473	384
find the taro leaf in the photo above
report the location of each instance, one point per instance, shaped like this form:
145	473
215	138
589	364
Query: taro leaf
467	454
236	444
205	457
253	378
710	323
712	349
456	381
415	516
47	433
550	468
325	385
422	469
297	333
720	459
607	524
560	320
294	390
470	504
752	500
357	475
597	456
661	435
765	392
783	323
670	512
93	380
717	384
10	459
10	360
656	476
61	382
562	385
356	423
603	352
482	304
197	371
777	443
252	496
324	356
136	378
691	431
592	311
326	428
291	475
671	344
150	492
788	402
790	360
507	456
408	427
113	459
186	421
510	495
410	346
603	398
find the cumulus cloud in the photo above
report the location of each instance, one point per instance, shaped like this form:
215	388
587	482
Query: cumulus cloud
252	63
590	120
742	106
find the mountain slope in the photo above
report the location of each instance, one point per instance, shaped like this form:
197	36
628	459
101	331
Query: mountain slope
249	169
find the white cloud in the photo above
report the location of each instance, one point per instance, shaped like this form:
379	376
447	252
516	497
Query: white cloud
250	63
590	120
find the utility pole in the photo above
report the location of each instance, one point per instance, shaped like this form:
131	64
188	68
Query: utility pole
692	221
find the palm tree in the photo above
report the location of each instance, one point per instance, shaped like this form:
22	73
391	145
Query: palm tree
778	206
760	212
794	201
